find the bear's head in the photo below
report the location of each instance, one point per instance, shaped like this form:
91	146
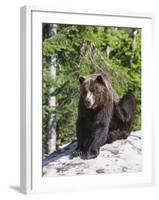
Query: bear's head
94	91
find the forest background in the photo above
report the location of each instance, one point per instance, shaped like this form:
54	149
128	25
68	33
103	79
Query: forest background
70	51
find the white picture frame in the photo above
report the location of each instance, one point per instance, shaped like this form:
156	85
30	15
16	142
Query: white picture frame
31	102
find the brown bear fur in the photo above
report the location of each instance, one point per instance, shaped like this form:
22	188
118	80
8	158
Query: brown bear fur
93	120
122	120
98	119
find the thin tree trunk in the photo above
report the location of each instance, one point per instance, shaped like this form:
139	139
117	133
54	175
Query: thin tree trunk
52	104
52	100
107	50
133	47
50	30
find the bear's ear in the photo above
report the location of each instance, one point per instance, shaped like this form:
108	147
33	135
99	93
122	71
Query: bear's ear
100	80
81	79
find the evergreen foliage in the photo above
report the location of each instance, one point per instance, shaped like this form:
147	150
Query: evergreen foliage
82	50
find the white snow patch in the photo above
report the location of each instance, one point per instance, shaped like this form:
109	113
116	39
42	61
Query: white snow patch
120	156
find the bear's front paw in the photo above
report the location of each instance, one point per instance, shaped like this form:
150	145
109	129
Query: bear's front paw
88	156
76	153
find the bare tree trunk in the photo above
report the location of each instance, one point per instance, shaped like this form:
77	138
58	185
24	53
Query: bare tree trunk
133	47
52	120
52	100
107	50
50	30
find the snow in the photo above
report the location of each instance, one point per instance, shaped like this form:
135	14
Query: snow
118	157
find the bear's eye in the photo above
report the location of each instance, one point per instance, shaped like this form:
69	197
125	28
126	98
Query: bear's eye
84	91
96	90
92	90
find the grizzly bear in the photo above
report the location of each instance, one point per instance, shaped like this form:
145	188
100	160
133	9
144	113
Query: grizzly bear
100	113
122	119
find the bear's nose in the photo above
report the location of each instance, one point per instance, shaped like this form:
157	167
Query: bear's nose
87	103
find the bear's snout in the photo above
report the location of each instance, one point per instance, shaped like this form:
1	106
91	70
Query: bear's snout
89	100
88	103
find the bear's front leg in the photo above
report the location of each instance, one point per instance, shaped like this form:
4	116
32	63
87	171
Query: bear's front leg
82	146
93	149
77	152
99	137
79	149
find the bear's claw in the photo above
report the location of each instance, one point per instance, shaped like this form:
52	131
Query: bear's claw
76	153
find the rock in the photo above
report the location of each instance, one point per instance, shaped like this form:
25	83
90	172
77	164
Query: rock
119	157
100	171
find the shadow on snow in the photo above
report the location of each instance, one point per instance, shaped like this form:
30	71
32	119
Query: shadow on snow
65	151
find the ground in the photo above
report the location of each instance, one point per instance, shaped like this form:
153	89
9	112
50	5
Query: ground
120	156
